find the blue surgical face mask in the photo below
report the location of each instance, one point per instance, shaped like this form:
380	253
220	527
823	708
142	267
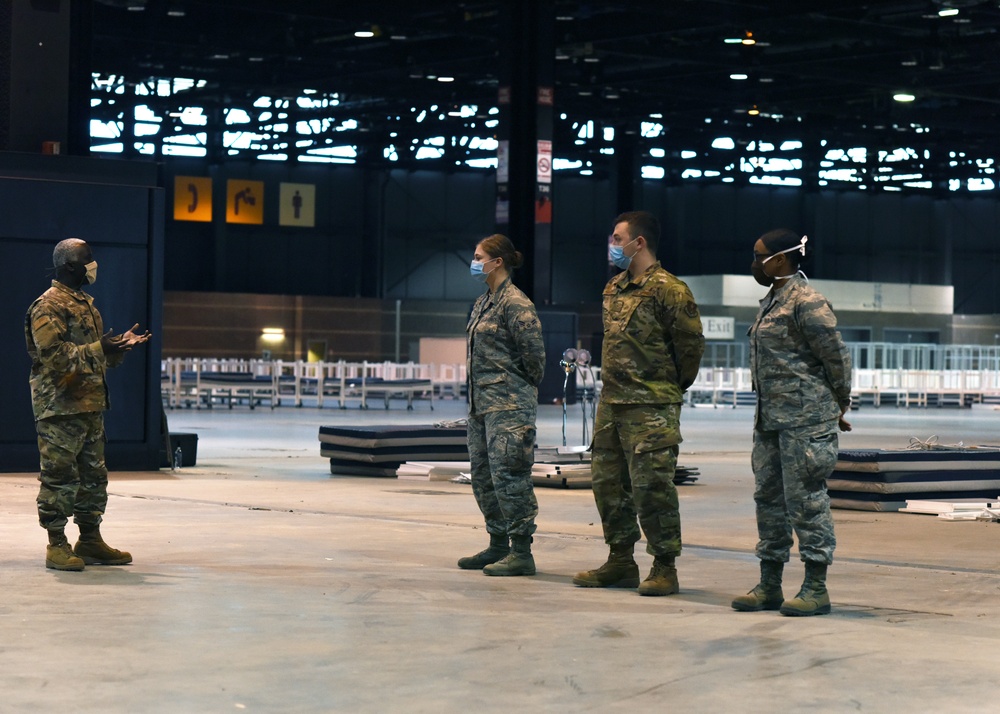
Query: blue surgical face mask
476	269
618	257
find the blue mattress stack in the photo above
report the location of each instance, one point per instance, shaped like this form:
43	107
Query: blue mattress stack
380	450
884	479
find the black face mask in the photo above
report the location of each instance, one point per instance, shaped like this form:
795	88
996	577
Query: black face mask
762	278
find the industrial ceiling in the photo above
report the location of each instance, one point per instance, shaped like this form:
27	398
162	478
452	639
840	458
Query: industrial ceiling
913	76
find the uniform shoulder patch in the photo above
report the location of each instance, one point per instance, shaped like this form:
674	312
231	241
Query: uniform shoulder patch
690	309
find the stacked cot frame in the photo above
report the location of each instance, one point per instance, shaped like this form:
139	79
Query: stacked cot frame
883	480
379	450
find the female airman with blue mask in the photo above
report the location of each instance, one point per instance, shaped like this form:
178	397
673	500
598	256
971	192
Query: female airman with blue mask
505	361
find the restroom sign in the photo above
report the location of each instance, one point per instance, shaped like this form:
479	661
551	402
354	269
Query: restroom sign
544	174
298	205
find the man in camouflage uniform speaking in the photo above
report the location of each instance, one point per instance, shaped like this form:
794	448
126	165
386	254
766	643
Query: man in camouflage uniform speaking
653	345
69	353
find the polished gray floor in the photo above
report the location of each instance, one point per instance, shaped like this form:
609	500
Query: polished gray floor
262	583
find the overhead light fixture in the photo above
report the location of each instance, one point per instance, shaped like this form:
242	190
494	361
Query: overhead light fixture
446	79
748	40
948	12
272	334
903	97
136	5
738	75
364	33
753	111
909	62
733	40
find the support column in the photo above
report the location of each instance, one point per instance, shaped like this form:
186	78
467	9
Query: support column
625	172
34	74
524	158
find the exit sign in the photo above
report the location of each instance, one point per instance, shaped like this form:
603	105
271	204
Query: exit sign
719	328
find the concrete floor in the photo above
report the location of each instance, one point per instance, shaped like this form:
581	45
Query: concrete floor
262	583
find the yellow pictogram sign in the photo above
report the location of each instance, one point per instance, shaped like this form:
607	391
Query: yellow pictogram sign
193	198
244	201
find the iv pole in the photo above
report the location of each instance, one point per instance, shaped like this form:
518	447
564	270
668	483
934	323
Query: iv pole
568	363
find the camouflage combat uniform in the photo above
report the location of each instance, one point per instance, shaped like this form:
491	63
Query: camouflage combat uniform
506	358
802	375
69	395
653	345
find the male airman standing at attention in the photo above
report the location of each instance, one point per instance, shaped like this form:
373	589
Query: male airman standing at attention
653	345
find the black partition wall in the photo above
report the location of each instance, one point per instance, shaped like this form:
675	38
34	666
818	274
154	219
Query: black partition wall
116	207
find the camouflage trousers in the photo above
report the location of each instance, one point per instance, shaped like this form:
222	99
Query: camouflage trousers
73	475
502	450
634	456
790	469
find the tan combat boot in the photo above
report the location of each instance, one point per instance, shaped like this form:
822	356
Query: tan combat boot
813	599
662	579
94	551
767	594
58	554
620	571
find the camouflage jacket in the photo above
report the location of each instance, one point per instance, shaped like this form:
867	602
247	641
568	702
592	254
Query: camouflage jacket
62	330
653	341
800	366
505	353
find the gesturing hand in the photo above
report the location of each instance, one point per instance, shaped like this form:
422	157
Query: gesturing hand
112	344
115	344
131	338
